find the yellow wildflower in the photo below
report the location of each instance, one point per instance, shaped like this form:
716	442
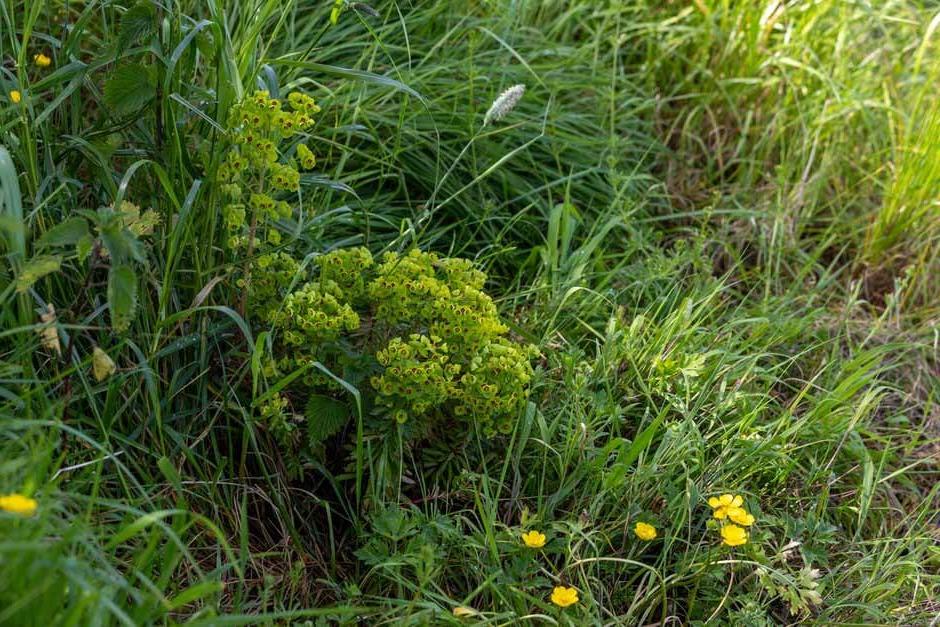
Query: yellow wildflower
15	97
42	60
563	597
18	504
534	539
645	531
732	535
739	516
464	612
725	504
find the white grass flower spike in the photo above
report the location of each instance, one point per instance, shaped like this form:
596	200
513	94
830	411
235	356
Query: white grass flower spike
504	104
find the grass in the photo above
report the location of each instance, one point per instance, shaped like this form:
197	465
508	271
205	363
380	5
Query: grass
717	221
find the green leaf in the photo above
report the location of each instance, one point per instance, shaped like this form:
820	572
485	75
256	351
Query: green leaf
138	22
83	247
325	417
11	228
130	88
121	243
122	296
36	268
72	231
194	593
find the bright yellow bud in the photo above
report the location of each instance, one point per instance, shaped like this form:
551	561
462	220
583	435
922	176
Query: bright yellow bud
18	504
645	531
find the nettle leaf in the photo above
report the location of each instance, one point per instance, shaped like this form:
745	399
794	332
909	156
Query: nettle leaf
122	296
67	233
137	23
325	417
122	245
130	88
83	247
205	43
36	268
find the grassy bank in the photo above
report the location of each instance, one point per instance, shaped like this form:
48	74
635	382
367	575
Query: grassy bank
716	223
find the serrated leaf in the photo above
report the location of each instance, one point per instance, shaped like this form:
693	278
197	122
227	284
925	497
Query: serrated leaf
121	244
325	417
65	233
83	247
130	88
122	296
205	43
36	268
137	23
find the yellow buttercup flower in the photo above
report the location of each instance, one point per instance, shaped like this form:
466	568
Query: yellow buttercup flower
645	531
739	516
724	504
563	597
534	539
42	60
15	97
18	504
732	535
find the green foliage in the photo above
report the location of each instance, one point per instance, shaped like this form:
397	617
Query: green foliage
424	323
311	316
258	125
36	268
130	88
715	219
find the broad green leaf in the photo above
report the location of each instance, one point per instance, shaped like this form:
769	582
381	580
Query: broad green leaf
137	23
130	88
36	268
84	246
121	243
72	231
325	417
122	296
